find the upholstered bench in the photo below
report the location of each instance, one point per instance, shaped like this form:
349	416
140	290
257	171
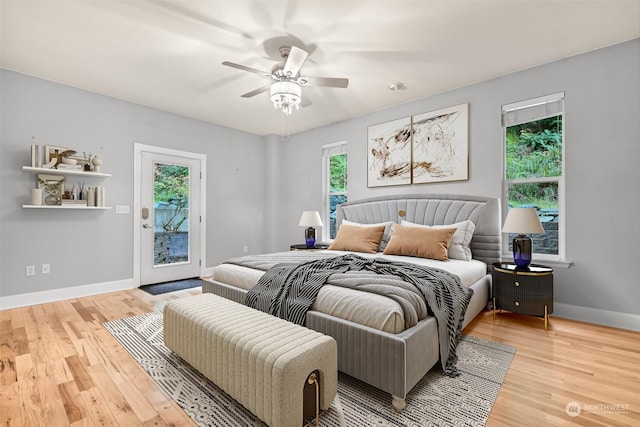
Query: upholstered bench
261	361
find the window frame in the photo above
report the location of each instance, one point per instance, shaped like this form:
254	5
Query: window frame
329	150
560	180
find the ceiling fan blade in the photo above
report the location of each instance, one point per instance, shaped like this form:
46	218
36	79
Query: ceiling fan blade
257	91
324	81
294	62
245	68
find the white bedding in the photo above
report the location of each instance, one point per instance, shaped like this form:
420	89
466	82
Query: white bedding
365	308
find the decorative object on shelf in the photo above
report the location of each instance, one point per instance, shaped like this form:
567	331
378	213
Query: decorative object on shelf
37	156
91	196
88	158
82	195
69	161
100	196
522	221
97	164
49	165
52	188
310	219
51	152
36	196
63	155
425	148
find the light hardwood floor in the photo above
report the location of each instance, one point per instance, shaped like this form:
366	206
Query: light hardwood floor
59	366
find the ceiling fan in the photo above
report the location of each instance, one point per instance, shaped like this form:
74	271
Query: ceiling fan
285	81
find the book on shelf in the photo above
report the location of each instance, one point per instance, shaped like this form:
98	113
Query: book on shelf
74	202
70	167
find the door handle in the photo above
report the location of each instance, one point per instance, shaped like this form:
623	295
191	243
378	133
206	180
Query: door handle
146	226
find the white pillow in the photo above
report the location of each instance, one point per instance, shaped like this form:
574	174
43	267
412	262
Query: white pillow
385	236
459	246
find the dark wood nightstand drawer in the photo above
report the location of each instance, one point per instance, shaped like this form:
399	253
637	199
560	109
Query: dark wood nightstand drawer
531	305
523	291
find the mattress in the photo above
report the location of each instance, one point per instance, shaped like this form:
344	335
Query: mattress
365	308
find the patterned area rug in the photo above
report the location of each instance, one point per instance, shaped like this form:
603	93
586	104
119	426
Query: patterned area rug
437	400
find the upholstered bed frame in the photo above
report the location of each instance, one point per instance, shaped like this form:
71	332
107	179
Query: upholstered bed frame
396	362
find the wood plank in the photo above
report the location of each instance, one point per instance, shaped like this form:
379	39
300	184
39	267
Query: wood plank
73	402
10	405
79	373
119	399
31	408
51	402
97	407
7	353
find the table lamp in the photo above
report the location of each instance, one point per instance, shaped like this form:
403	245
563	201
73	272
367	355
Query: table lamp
310	219
522	221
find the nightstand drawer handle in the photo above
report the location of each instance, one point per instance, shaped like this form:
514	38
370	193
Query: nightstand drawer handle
517	304
516	284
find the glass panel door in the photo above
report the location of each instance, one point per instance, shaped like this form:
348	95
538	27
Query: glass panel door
171	213
170	232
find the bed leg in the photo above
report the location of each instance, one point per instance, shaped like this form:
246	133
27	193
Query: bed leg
398	403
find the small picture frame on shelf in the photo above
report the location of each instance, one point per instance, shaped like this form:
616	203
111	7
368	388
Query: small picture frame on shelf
52	188
51	152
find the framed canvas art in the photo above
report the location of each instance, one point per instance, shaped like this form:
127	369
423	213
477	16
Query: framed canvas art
440	150
389	153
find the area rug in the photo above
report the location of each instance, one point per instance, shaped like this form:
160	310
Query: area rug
178	285
437	400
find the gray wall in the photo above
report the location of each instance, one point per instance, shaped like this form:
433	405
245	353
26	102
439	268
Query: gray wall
258	186
602	105
89	247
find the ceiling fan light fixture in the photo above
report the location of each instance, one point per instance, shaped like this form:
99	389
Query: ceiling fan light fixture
286	95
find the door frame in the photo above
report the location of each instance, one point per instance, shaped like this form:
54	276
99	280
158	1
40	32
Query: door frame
138	149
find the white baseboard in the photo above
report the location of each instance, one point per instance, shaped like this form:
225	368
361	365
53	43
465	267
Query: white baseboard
33	298
600	317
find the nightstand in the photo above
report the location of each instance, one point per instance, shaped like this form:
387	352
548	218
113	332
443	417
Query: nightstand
527	290
303	247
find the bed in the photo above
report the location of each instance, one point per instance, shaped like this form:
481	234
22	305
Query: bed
381	352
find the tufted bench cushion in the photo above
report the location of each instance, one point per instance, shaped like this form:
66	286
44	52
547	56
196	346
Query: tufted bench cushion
260	360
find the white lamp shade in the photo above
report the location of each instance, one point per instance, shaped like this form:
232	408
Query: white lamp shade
522	221
310	219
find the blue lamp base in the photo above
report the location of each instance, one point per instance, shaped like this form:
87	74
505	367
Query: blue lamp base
310	237
522	250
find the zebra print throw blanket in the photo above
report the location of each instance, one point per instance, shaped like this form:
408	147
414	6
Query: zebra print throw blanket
288	291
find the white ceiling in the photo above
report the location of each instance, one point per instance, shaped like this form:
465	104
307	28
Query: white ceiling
167	54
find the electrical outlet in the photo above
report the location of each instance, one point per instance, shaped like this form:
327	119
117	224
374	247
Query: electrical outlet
46	268
30	270
246	249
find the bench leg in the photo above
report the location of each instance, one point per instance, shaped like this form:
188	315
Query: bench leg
313	379
398	403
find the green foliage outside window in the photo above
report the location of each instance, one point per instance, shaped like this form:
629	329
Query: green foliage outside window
534	150
337	188
171	187
338	169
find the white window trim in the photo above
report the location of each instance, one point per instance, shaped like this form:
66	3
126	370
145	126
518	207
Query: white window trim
327	151
560	259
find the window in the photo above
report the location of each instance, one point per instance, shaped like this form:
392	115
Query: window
334	166
534	168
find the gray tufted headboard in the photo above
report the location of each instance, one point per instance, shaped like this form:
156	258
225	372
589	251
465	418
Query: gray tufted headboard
435	209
